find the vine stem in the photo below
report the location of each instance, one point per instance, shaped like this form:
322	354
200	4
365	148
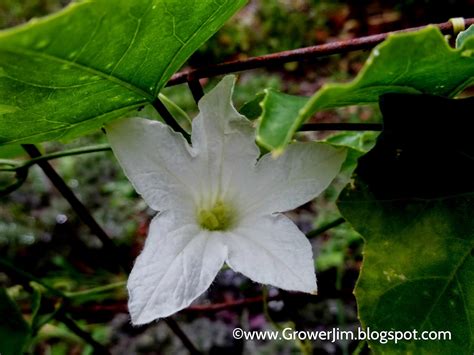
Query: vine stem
95	228
195	87
325	227
169	119
181	335
71	324
167	101
96	290
14	166
26	277
300	54
65	153
77	205
360	347
20	177
192	77
237	304
99	349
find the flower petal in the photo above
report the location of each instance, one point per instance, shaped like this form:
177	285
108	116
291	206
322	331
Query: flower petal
178	263
299	175
157	160
224	141
272	250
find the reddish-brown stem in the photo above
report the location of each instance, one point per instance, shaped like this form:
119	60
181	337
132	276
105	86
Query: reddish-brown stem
299	54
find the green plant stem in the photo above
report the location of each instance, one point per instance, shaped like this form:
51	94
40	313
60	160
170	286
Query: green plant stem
325	227
304	345
166	100
8	162
27	277
96	290
99	349
266	311
15	166
340	306
20	177
341	319
359	347
40	322
59	315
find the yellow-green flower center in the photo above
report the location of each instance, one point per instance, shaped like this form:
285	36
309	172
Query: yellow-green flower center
218	218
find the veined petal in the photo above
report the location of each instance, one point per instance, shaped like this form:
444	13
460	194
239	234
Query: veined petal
178	263
157	160
272	250
299	175
224	141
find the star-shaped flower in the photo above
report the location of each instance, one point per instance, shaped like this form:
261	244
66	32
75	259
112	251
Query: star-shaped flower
217	204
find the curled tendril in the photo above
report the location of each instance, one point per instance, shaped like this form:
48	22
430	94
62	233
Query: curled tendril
21	174
21	168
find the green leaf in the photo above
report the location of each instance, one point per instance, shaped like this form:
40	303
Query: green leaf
67	74
11	151
358	144
14	331
412	200
360	141
278	113
416	62
253	109
464	37
418	268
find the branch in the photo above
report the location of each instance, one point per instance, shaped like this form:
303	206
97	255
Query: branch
216	307
169	119
196	88
93	310
99	349
325	227
77	206
323	50
171	323
95	228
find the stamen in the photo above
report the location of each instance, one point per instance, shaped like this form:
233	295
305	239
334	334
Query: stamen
219	218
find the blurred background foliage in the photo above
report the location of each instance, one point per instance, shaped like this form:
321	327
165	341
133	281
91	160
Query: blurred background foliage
40	233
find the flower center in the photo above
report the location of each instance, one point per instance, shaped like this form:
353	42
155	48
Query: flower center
219	218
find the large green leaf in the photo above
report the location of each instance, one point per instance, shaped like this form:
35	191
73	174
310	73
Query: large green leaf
417	62
67	74
418	269
14	331
11	151
412	200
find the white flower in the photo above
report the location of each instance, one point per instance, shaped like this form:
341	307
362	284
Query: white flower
217	204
